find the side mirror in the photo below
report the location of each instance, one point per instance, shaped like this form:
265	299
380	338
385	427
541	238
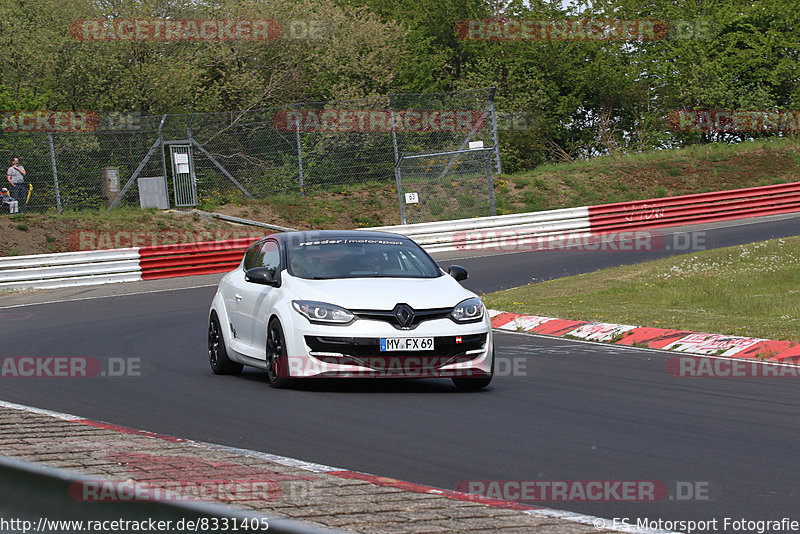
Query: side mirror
261	275
458	272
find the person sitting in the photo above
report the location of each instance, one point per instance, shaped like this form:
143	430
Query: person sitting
368	264
299	265
8	201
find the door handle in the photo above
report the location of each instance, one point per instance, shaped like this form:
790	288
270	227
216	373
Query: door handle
238	297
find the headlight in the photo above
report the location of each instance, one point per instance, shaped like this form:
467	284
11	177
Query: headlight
468	311
322	313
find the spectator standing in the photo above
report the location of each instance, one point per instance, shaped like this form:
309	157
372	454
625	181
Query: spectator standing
16	177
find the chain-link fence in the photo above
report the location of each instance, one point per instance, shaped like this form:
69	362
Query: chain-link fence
446	185
227	156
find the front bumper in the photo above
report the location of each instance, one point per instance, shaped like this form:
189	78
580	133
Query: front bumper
355	351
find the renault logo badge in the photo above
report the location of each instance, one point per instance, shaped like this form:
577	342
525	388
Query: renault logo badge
404	315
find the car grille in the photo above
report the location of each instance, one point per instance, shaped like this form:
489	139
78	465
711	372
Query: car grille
366	352
391	316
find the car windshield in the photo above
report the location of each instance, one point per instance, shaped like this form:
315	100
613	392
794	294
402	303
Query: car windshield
357	257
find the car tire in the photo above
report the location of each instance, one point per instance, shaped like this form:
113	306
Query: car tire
474	384
217	354
276	355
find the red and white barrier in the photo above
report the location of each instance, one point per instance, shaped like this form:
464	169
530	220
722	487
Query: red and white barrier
696	209
170	261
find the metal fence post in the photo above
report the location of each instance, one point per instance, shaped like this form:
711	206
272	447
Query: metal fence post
55	170
299	150
397	175
494	132
492	210
398	179
163	155
394	130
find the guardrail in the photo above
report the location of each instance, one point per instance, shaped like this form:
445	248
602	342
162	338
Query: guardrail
70	269
456	235
166	261
38	497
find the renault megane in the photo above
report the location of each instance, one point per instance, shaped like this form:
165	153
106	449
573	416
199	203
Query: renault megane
348	304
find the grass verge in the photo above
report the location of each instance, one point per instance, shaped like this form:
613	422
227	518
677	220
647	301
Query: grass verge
654	174
748	290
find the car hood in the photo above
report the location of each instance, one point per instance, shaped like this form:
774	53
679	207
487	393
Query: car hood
381	293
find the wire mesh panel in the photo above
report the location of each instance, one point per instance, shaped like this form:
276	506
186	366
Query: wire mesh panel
238	154
441	122
446	185
343	143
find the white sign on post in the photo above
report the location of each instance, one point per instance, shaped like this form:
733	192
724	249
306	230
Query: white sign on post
475	145
412	198
113	180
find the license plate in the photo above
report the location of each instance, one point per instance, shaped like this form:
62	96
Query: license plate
406	343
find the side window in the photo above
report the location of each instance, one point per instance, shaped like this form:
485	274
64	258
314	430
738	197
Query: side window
252	257
271	257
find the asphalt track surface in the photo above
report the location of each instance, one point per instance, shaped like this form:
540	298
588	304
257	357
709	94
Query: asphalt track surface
569	411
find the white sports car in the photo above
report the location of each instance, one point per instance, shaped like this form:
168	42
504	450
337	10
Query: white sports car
348	304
